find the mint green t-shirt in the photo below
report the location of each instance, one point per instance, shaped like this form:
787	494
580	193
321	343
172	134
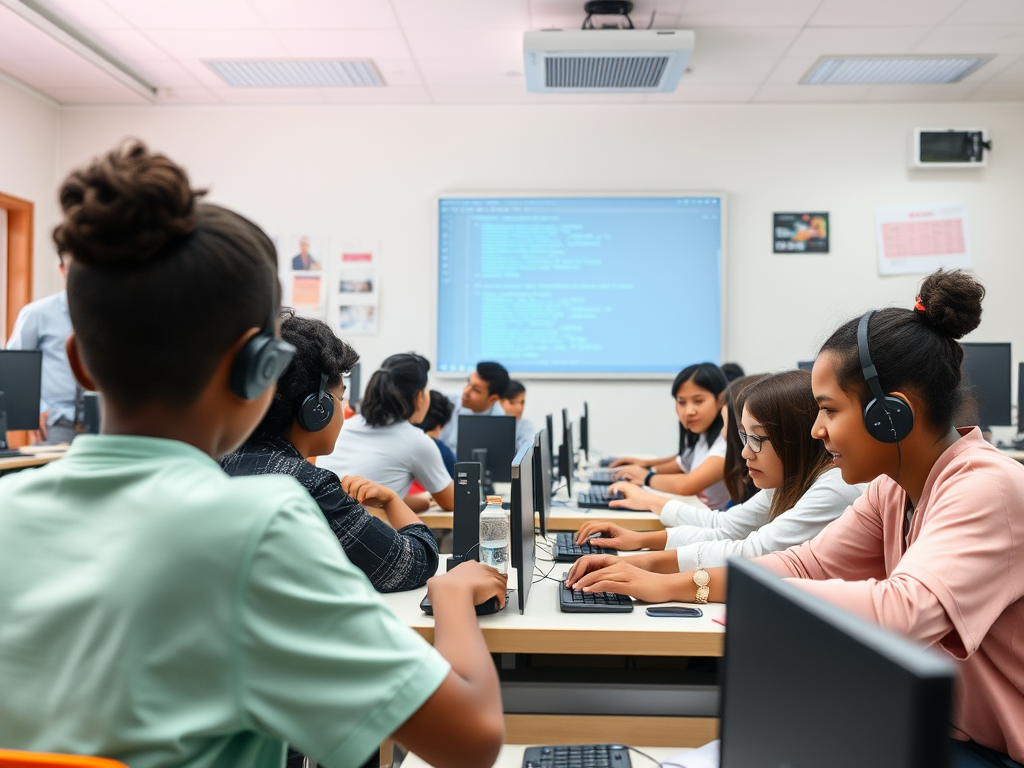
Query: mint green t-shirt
156	611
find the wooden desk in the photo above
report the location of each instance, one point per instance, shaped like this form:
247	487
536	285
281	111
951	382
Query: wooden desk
36	457
511	755
1013	454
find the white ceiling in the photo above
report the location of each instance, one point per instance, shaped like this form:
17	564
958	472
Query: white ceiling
470	51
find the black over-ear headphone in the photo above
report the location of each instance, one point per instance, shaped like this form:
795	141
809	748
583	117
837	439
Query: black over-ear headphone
260	362
888	418
317	409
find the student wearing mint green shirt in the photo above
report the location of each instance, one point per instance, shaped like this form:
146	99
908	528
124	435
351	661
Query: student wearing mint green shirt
159	612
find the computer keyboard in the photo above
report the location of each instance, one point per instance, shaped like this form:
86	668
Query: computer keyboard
568	551
597	498
8	453
603	477
571	601
578	756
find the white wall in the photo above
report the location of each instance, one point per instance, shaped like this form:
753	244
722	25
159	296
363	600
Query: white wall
28	162
373	172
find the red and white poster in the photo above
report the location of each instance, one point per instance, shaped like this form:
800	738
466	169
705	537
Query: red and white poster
920	239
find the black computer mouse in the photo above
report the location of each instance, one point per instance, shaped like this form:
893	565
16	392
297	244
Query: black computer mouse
485	608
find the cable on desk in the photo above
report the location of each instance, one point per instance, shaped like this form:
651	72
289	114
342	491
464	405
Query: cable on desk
652	759
545	575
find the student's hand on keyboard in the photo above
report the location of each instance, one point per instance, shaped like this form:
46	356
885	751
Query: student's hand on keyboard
612	536
585	565
624	460
633	473
481	582
367	493
621	578
635	497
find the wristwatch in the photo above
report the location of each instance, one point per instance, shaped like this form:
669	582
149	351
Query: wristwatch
701	578
652	473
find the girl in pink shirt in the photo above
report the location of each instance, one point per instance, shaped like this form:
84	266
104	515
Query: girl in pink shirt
934	549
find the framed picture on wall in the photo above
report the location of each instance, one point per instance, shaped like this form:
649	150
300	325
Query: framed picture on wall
800	233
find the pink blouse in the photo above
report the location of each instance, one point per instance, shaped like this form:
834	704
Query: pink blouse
957	579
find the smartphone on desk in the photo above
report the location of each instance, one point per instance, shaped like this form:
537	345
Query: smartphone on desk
675	611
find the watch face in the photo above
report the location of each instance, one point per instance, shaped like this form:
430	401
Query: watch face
701	578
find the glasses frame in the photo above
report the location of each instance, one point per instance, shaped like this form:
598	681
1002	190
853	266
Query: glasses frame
756	442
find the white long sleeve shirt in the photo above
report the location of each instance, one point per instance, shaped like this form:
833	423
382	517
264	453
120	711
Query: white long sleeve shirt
745	531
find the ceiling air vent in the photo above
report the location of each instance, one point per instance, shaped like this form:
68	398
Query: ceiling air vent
891	70
606	60
353	73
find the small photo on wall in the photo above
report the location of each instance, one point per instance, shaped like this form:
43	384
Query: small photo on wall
800	233
357	319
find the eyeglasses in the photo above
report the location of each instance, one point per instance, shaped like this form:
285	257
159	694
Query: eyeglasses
755	441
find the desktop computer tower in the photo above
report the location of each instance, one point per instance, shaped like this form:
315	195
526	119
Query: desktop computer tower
466	516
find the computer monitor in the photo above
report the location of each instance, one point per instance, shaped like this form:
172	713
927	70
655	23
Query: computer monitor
353	387
566	460
21	375
542	478
846	693
551	442
585	432
497	434
987	370
521	522
1020	397
92	413
805	365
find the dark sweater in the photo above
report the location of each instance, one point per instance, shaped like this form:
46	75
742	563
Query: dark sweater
393	560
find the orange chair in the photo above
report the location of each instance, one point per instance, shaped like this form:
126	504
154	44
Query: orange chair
10	758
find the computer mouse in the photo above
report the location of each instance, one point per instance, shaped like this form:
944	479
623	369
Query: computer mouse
485	608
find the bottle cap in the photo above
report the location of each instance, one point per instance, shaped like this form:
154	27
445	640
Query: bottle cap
494	500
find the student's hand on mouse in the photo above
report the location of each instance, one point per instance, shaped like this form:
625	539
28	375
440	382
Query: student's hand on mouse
586	564
624	460
636	498
634	473
613	536
621	578
367	493
480	581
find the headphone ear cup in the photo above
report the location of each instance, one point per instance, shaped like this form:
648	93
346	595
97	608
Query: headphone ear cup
890	420
315	413
258	364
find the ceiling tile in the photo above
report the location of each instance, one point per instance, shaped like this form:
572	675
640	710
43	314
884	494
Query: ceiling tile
745	42
397	95
560	14
462	14
129	45
326	14
21	40
882	13
398	71
704	93
218	44
86	14
507	71
727	69
818	41
344	43
166	74
188	14
791	70
1014	73
59	70
992	69
1006	39
112	95
999	92
747	13
811	93
935	93
186	96
268	95
591	98
988	12
464	43
476	94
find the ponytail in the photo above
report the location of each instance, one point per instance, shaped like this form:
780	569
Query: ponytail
390	395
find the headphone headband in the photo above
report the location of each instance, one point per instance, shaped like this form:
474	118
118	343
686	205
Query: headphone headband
888	418
867	367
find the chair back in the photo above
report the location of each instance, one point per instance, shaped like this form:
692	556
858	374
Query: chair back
10	758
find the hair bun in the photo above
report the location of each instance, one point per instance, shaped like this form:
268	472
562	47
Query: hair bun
124	208
952	302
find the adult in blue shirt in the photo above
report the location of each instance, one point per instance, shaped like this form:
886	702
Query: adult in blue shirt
45	324
481	397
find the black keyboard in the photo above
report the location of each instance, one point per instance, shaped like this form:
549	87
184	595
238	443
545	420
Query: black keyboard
577	756
607	461
596	499
568	551
571	601
603	477
7	453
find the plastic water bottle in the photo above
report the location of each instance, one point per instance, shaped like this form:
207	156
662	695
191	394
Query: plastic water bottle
494	527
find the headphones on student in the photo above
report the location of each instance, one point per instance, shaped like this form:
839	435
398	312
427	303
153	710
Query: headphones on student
317	409
260	362
888	418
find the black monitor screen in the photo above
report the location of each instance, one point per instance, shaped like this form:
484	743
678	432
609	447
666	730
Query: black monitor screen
542	478
585	432
521	522
987	376
566	463
846	694
497	434
1020	396
21	374
551	440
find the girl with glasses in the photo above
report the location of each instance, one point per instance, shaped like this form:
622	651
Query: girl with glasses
801	492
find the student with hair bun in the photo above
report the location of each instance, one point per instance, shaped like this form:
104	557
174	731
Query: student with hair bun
395	557
381	443
934	549
159	612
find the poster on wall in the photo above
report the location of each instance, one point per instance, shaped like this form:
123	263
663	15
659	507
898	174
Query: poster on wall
301	262
918	239
800	233
355	291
